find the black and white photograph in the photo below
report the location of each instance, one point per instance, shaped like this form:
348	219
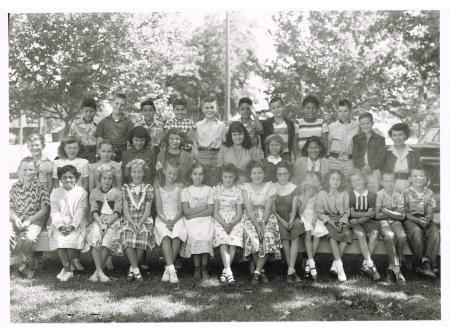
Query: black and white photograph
214	165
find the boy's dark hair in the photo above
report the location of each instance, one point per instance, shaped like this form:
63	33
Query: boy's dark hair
345	103
366	115
245	100
210	99
276	99
69	140
174	131
230	168
179	102
342	187
318	141
67	168
120	95
311	99
255	164
237	126
284	164
89	102
388	172
139	132
148	102
399	127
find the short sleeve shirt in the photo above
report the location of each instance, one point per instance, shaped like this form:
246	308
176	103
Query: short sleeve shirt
84	131
419	202
44	168
282	130
210	134
115	131
155	130
184	125
26	202
307	129
82	166
387	201
340	136
197	196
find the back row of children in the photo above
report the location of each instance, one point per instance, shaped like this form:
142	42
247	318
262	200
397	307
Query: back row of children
367	154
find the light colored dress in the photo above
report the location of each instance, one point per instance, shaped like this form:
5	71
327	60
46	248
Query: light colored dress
169	202
105	204
228	199
136	197
68	208
200	230
309	219
271	242
82	166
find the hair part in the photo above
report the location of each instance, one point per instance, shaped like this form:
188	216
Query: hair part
342	186
311	99
399	127
238	127
139	132
69	140
318	141
65	169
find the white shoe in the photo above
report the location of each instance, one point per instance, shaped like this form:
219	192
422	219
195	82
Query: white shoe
103	278
61	273
66	276
165	277
340	271
94	277
173	278
333	269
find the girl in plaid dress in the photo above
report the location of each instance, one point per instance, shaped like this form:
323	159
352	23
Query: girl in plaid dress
137	226
362	218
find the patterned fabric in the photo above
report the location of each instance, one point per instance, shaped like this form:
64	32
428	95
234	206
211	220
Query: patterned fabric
27	201
362	202
416	202
200	230
82	166
390	202
340	136
136	197
44	167
307	129
228	200
170	201
282	130
184	125
84	131
271	242
93	169
155	130
309	218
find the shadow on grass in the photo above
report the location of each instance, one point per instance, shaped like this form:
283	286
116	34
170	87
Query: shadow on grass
45	299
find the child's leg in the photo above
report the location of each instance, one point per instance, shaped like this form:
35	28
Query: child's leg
362	242
389	240
342	247
97	256
293	254
140	254
71	254
132	257
64	258
309	245
176	245
287	249
232	251
167	250
335	249
197	260
260	263
225	255
373	240
315	245
400	238
433	242
415	235
205	258
252	262
105	255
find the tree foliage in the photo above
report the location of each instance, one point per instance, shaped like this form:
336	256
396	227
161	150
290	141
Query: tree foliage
379	60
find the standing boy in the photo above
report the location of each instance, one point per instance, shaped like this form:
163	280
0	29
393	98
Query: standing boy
282	126
369	150
208	137
154	127
181	123
84	129
115	127
310	125
253	126
340	139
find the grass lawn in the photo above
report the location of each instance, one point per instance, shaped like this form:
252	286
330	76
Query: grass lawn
45	299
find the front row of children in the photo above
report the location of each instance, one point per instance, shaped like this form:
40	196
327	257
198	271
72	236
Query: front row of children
258	216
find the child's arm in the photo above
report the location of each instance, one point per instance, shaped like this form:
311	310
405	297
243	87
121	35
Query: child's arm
85	183
94	209
118	207
38	215
238	217
249	209
158	204
91	179
147	210
294	209
49	182
320	209
14	218
217	214
268	209
193	212
55	212
280	220
119	178
99	140
358	217
179	211
409	215
345	216
80	212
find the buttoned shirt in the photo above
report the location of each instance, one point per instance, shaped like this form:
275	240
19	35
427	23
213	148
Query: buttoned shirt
44	168
210	133
184	125
314	166
115	130
401	165
340	136
155	129
416	202
84	131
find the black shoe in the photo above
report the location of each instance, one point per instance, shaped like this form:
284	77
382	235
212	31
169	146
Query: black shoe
264	278
256	279
290	279
425	269
390	278
130	277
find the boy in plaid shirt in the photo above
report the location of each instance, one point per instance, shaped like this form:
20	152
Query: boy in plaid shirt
185	125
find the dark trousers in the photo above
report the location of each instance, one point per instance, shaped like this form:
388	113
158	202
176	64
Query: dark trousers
424	242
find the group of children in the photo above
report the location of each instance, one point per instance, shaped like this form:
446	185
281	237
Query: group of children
162	186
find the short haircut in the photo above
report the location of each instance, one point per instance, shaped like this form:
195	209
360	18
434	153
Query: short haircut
311	99
148	102
238	127
106	169
273	138
342	186
89	102
35	136
318	141
276	99
357	172
255	164
420	168
65	169
179	102
230	168
27	160
345	103
284	164
399	127
139	132
366	115
120	95
210	99
312	179
196	165
107	142
388	173
245	100
137	163
69	140
174	131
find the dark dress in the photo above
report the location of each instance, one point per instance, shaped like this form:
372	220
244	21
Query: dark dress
283	205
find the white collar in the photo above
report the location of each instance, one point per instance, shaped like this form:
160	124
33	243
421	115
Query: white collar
285	189
395	152
357	194
273	160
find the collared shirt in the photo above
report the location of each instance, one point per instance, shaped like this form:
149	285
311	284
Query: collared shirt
366	156
282	130
184	125
82	166
274	160
210	133
84	131
27	201
251	129
314	166
340	136
361	200
391	202
115	131
418	202
401	165
155	130
44	168
332	205
307	129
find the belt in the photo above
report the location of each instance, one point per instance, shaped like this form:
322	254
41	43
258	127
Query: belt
402	175
336	155
200	148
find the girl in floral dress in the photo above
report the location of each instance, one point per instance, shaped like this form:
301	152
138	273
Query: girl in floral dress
261	232
137	226
198	207
103	234
170	228
227	219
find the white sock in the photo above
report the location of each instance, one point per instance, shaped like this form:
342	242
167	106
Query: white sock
370	263
311	263
136	271
171	268
291	270
257	272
